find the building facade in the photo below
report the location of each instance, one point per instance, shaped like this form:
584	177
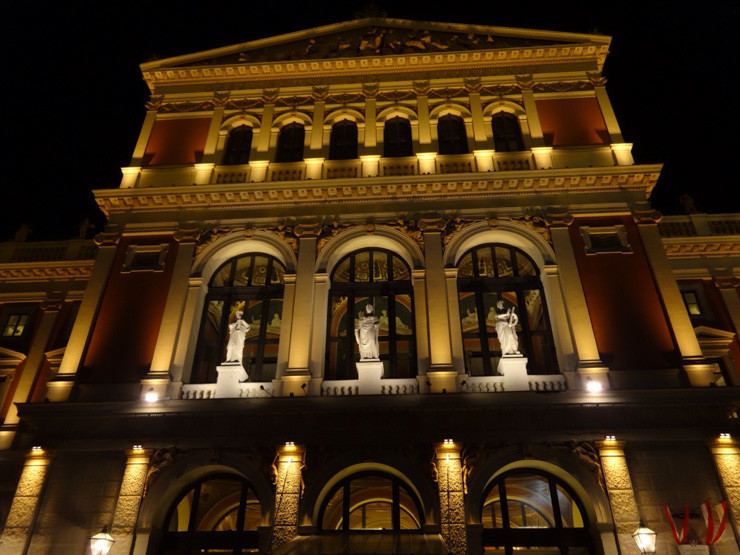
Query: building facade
555	361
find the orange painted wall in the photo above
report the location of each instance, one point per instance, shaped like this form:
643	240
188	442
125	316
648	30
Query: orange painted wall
631	328
572	122
176	141
126	327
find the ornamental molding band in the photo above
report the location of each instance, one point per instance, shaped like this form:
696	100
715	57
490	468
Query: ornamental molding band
230	196
23	272
157	104
691	247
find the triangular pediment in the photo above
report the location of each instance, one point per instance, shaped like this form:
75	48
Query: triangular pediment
376	37
10	359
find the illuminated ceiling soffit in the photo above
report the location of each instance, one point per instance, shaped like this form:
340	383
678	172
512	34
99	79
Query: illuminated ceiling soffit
376	45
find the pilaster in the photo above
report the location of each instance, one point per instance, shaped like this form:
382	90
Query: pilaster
726	455
621	494
451	496
143	140
172	318
211	146
422	112
698	371
533	118
22	516
453	310
188	336
60	387
479	125
589	365
371	132
129	499
316	142
610	118
288	485
263	140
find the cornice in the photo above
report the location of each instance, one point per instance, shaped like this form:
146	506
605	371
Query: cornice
513	60
696	247
28	272
378	189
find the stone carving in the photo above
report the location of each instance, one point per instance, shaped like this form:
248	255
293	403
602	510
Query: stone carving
366	334
238	330
160	461
506	321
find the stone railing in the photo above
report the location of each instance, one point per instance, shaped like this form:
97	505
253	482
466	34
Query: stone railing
232	174
47	251
495	384
513	161
700	224
389	386
247	390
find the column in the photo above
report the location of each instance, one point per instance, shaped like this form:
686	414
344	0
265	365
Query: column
621	495
290	462
29	371
610	119
158	376
22	516
451	496
726	455
285	324
60	387
418	282
129	499
589	365
453	309
298	372
188	336
698	371
441	374
727	286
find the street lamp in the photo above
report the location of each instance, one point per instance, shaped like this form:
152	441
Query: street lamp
644	538
101	542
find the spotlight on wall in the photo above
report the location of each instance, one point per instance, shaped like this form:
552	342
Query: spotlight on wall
725	435
37	449
151	396
137	447
610	438
593	386
645	539
101	542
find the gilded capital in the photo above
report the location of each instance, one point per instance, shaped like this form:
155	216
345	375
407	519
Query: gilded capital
558	219
187	235
107	239
726	281
53	302
646	216
432	224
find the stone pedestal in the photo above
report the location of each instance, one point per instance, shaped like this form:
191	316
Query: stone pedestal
230	374
369	374
514	369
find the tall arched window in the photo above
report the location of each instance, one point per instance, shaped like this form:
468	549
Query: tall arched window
252	284
397	138
507	134
383	280
343	140
238	145
290	143
527	508
371	501
219	513
451	135
495	272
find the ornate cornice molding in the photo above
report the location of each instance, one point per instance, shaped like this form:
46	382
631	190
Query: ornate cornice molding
702	247
34	272
377	189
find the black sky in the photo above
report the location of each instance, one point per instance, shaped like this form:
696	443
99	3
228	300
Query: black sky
74	96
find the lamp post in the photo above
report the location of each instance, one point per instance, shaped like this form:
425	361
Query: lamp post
645	539
101	542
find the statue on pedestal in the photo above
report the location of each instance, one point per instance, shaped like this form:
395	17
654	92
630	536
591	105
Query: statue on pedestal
238	330
366	334
506	321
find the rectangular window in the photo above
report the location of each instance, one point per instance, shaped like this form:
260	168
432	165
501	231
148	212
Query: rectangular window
15	325
691	300
605	239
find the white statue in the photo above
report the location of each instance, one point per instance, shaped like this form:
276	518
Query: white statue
366	334
506	322
238	330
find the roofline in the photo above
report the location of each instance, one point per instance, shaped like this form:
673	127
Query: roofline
379	21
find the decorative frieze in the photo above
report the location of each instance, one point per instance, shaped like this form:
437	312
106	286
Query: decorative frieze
45	271
692	247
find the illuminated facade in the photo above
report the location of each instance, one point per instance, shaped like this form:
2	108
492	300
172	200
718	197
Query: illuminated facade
449	176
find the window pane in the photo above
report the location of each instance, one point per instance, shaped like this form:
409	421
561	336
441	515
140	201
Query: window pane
400	270
410	518
503	262
485	263
274	322
338	320
341	272
468	312
491	515
362	266
404	315
221	278
569	511
181	515
380	266
377	494
212	325
277	273
243	270
253	316
525	266
465	268
535	310
217	498
259	272
534	492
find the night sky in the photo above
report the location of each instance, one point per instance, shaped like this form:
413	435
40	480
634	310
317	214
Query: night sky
74	95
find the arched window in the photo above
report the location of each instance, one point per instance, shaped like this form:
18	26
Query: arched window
526	508
343	140
290	143
397	138
237	146
253	284
507	135
371	501
219	513
495	272
451	135
383	280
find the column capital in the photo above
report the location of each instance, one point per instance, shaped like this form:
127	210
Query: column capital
646	217
427	225
308	230
725	281
606	445
290	452
189	234
556	218
107	239
53	302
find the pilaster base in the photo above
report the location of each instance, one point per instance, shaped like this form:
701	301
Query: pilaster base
158	385
701	374
58	390
7	434
442	381
296	383
592	374
230	374
514	369
369	374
